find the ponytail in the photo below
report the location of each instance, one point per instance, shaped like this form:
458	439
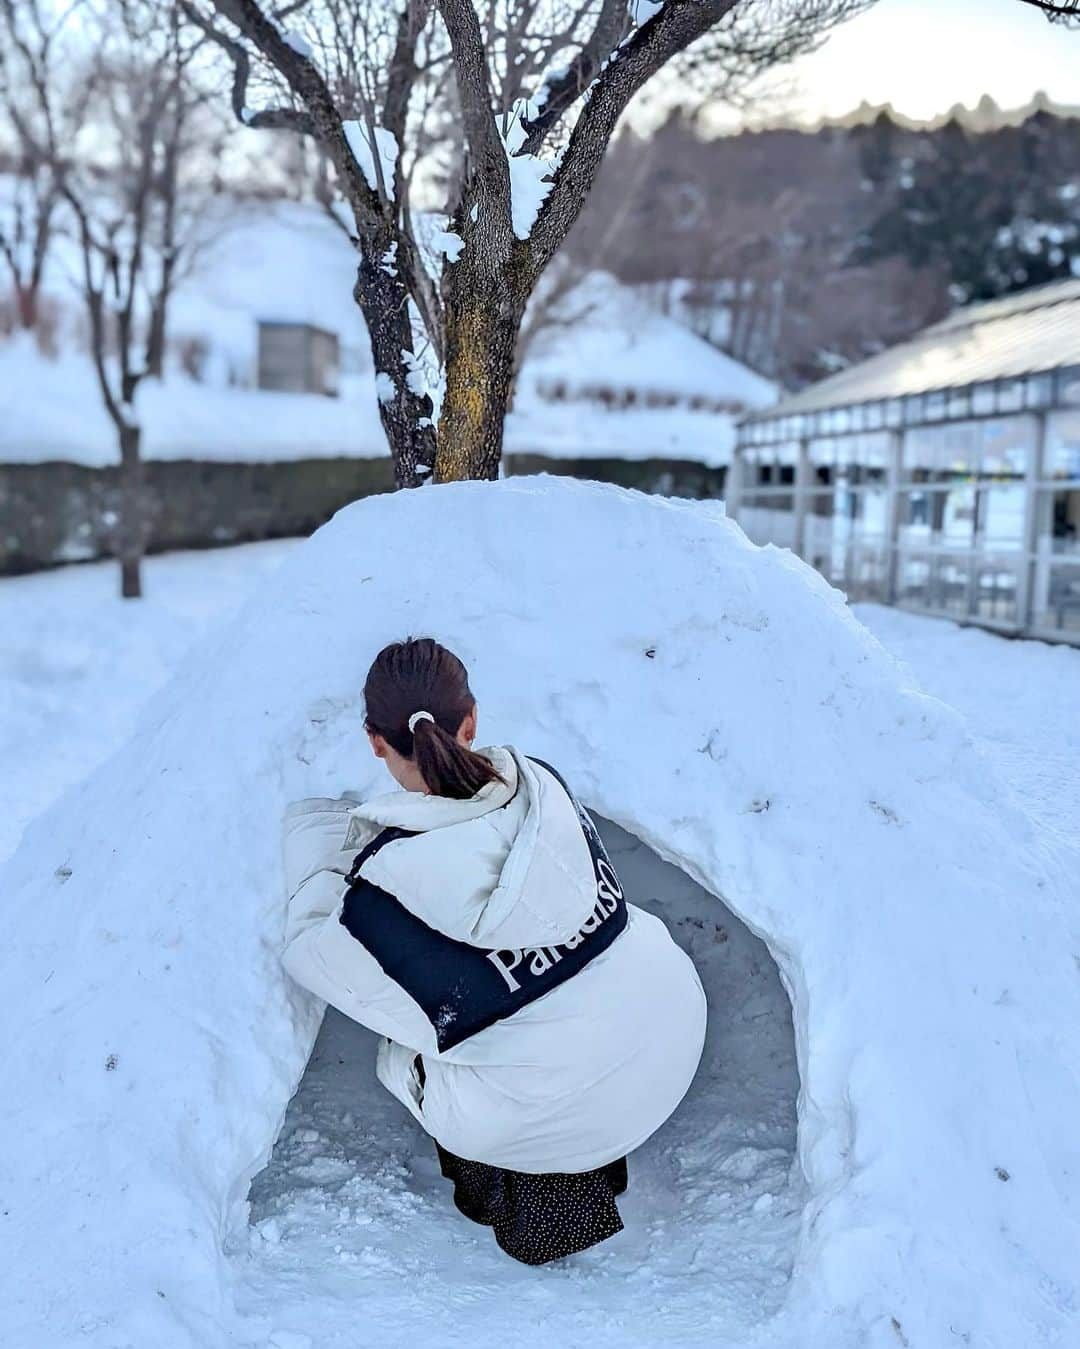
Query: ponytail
446	765
417	695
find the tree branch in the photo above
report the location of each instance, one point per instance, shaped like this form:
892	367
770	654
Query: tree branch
490	170
1058	10
272	119
321	118
669	32
403	70
611	26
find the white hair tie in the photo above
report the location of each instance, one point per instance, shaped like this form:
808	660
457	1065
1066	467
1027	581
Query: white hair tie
419	716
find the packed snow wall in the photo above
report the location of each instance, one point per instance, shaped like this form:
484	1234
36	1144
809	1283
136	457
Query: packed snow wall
715	699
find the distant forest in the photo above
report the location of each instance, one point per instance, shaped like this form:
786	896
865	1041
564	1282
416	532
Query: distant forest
800	252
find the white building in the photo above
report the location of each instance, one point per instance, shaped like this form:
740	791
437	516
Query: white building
942	475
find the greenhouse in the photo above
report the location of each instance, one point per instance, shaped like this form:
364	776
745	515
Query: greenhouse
942	475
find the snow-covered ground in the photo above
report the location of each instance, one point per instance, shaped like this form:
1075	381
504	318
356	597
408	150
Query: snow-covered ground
913	878
51	409
1021	701
77	662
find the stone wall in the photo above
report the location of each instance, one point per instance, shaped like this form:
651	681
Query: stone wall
59	512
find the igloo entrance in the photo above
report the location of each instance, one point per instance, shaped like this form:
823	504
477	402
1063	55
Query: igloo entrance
352	1191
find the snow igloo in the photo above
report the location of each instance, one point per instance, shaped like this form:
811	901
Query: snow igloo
880	1149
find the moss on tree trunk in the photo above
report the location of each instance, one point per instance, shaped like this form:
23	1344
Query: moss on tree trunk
480	341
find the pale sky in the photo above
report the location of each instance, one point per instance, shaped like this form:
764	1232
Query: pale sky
925	55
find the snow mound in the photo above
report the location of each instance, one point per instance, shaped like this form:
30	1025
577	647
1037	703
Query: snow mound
716	700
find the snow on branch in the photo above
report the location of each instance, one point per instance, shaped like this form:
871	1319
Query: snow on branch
377	162
530	174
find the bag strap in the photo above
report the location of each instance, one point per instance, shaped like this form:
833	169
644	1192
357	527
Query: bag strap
388	835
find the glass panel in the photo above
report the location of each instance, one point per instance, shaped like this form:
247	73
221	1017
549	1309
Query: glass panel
1057	528
1069	385
1001	516
1062	455
996	589
822	450
915	517
913	580
818	530
768	466
1006	445
1039	391
937	453
950	585
1057	598
873	513
894	412
1010	395
956	525
934	408
868	574
939	582
997	448
982	400
959	403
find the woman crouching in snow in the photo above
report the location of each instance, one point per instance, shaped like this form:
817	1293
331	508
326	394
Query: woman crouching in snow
537	1025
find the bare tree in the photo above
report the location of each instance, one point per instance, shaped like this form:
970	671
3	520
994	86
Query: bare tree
120	179
512	104
28	215
26	230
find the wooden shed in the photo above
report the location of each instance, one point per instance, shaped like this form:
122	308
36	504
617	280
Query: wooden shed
298	358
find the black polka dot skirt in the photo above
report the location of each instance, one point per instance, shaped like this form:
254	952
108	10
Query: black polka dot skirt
537	1218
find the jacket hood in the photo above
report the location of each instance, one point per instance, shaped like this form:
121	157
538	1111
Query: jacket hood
508	868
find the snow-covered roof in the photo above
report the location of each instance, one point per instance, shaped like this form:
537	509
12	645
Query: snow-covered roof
1030	333
605	338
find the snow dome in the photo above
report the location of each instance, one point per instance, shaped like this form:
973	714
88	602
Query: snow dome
718	704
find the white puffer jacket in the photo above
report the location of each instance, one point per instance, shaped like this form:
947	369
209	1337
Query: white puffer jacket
572	1079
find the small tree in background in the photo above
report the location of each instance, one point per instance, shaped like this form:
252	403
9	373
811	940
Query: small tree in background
512	104
120	179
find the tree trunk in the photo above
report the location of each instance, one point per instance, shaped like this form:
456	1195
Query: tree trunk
26	299
481	336
404	409
131	535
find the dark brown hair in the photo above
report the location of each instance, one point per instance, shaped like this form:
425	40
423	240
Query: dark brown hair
419	675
